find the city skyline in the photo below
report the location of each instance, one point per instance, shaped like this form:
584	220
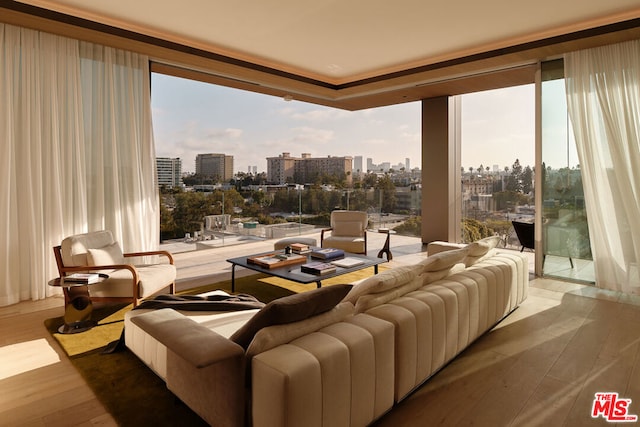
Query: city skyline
193	118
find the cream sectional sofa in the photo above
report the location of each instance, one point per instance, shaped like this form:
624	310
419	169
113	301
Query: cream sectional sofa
340	357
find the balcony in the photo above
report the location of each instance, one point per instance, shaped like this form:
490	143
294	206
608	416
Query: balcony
209	264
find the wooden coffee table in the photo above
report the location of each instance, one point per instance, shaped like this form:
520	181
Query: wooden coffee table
292	271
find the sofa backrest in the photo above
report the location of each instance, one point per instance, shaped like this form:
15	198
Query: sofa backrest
397	281
273	336
74	248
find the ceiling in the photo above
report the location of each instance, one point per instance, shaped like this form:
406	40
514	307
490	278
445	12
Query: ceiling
347	53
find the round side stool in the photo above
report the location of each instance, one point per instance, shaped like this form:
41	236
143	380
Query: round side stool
283	243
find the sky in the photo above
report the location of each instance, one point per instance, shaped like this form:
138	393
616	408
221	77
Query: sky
192	117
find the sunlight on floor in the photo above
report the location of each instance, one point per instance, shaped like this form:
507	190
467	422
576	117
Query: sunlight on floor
14	362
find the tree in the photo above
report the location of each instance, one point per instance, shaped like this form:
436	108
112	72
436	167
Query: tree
411	227
388	189
198	179
514	180
167	225
370	180
527	180
190	210
473	230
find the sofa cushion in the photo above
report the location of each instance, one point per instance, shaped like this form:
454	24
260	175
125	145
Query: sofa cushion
272	336
433	276
289	309
481	249
366	302
151	279
74	248
443	260
106	255
382	282
348	228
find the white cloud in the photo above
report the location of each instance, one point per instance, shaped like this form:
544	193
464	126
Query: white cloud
312	135
315	115
222	134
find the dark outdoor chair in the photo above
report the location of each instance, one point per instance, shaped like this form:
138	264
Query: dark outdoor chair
526	234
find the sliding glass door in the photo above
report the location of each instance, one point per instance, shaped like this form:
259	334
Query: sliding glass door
565	233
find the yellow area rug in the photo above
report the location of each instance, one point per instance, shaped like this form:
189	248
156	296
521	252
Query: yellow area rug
130	391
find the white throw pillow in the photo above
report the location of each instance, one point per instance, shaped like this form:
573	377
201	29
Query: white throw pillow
444	260
429	277
369	301
106	255
481	249
482	246
382	282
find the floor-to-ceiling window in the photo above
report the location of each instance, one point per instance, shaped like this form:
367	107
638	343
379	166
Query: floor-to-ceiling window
251	133
498	162
565	233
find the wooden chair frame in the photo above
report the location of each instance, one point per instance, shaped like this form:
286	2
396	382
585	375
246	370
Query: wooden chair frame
64	270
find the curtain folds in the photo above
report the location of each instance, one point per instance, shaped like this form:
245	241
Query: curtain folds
77	153
603	99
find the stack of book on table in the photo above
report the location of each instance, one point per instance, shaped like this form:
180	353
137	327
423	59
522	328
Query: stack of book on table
327	253
82	278
300	248
318	268
276	260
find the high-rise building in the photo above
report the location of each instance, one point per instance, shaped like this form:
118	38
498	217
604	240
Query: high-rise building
215	165
407	164
169	171
370	165
285	168
357	165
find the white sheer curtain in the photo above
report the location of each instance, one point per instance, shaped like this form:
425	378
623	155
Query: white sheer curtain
76	153
603	98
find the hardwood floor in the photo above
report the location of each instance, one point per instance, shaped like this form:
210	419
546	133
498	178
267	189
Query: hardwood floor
37	389
540	366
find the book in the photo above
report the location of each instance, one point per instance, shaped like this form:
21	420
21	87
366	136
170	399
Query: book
327	253
318	268
304	252
347	262
300	248
297	247
84	278
276	260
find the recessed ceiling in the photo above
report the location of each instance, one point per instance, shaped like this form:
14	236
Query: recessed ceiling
349	54
338	41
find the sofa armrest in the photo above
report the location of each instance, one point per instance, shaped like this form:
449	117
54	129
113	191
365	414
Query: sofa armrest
324	230
198	345
204	369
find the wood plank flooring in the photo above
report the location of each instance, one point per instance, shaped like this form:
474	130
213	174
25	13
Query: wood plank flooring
539	367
